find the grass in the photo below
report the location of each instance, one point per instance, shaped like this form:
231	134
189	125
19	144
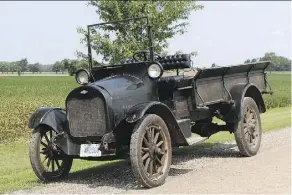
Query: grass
36	74
16	172
273	119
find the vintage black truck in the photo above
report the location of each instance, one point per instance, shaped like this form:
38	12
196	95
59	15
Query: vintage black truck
133	108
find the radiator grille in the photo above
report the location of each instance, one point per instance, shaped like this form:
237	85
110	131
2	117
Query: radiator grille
86	117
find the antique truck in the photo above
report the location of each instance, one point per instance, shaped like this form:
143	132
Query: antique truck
133	108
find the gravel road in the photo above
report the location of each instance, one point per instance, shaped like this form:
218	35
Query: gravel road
199	169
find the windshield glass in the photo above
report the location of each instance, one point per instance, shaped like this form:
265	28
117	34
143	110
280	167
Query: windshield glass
114	42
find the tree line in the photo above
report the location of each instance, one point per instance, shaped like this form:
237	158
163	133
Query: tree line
278	63
69	66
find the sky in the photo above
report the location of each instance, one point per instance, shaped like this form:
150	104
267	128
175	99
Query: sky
224	33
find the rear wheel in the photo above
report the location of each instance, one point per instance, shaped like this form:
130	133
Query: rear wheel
47	160
150	151
249	131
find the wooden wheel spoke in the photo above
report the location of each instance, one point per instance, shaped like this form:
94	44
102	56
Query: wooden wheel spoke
57	163
43	152
51	134
156	137
162	152
49	162
245	131
147	164
46	157
145	149
151	167
148	135
159	143
46	137
53	165
44	144
146	142
145	156
152	133
154	166
158	160
250	139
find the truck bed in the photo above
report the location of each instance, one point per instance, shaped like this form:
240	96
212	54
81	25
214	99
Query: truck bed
212	85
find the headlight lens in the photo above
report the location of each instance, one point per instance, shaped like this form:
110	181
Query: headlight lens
82	77
154	71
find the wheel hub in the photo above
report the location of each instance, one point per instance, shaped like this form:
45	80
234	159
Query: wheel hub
154	150
250	125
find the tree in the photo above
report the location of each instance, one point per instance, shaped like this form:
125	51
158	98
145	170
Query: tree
23	63
120	41
247	61
57	67
70	66
13	67
34	68
4	67
278	63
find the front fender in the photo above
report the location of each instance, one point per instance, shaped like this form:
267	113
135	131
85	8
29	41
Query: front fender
238	92
160	109
50	116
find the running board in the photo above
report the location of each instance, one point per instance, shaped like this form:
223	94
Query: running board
194	140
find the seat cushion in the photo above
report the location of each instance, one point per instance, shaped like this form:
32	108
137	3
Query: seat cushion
172	62
175	82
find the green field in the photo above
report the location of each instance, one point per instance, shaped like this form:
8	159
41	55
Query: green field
21	96
281	86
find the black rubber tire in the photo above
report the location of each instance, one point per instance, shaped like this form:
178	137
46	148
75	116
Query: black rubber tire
40	172
242	143
135	151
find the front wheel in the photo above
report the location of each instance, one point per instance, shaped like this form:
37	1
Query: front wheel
249	130
150	151
48	162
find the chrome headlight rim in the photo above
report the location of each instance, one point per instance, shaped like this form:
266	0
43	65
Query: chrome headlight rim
158	67
77	78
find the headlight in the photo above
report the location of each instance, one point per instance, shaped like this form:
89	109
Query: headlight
155	71
82	77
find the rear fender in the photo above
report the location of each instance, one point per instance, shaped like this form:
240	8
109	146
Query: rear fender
238	92
160	109
50	116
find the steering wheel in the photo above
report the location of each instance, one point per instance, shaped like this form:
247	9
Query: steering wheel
144	53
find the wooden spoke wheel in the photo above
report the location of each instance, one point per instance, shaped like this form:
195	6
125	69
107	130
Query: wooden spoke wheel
249	131
47	160
150	151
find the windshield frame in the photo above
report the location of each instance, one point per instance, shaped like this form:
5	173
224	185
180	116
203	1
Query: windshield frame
149	33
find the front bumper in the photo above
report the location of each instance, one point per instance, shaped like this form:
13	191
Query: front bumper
106	146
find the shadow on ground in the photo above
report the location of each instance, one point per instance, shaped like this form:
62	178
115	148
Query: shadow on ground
119	174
